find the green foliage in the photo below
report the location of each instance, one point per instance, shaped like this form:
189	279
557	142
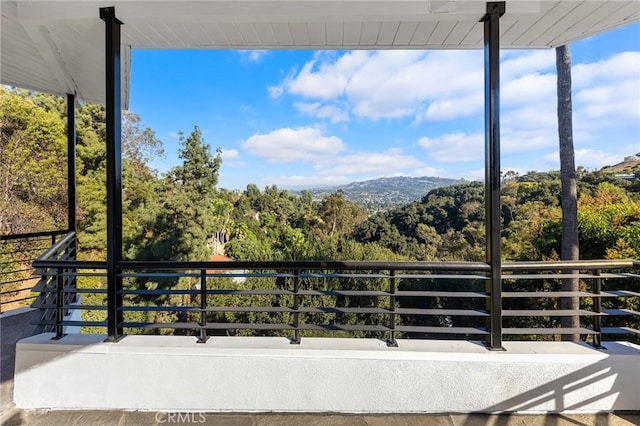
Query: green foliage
33	166
184	216
184	219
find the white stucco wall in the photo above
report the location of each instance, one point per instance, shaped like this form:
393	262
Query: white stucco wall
323	375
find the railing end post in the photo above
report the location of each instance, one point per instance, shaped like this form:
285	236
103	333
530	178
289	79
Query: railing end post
492	348
114	339
295	340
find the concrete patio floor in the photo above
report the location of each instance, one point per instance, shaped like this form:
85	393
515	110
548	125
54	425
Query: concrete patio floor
15	417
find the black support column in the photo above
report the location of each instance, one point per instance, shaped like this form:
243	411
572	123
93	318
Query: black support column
71	162
114	172
492	167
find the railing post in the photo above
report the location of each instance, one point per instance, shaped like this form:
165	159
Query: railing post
296	305
392	308
114	172
59	304
492	167
203	307
71	162
597	309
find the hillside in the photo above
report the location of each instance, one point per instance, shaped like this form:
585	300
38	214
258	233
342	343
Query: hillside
629	164
387	192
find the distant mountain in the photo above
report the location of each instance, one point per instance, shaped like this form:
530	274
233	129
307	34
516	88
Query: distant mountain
387	192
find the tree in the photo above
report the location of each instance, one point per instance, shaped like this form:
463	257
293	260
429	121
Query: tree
569	198
340	215
32	166
191	189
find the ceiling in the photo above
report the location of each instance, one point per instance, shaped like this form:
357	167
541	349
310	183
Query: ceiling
58	46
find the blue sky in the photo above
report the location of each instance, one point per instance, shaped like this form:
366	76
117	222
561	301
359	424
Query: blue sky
315	118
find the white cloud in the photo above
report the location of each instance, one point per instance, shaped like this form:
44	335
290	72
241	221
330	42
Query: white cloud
275	91
454	147
589	158
308	181
448	85
285	145
317	110
229	154
428	171
528	89
517	63
357	166
475	174
391	84
447	109
373	164
254	56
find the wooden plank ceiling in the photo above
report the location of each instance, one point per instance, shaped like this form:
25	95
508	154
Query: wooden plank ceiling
58	46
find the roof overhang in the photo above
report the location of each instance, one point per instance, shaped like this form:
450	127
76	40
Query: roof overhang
58	46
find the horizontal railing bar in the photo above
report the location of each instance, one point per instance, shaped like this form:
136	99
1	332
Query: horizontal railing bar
539	330
569	265
303	275
620	293
345	327
52	289
70	264
442	312
439	276
52	273
620	312
334	265
330	275
75	306
619	275
193	292
552	294
619	330
429	293
158	275
548	276
174	325
69	323
441	330
278	309
32	235
160	308
547	312
308	265
353	293
247	326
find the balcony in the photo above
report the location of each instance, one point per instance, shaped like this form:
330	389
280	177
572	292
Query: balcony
309	324
304	336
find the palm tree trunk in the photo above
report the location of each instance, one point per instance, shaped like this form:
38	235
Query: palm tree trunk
569	197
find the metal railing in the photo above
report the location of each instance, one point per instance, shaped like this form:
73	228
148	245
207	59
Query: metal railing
57	286
366	299
17	275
